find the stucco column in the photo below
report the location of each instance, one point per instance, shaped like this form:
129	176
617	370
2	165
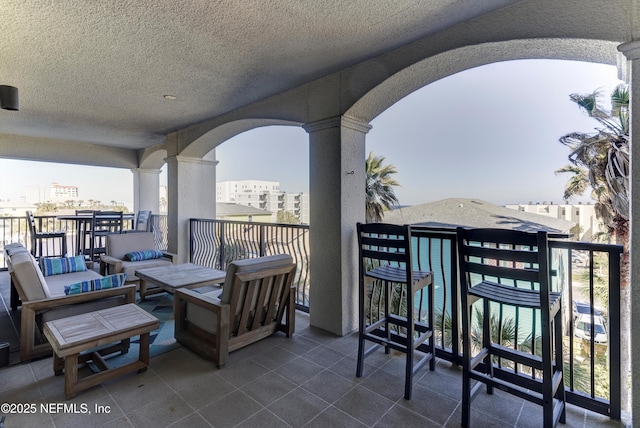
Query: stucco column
337	203
146	189
631	51
192	194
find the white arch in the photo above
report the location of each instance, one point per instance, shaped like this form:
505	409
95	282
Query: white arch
431	69
216	136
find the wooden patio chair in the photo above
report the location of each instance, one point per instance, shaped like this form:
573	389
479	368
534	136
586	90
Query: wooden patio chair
257	299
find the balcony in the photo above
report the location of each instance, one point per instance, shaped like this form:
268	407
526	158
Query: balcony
310	379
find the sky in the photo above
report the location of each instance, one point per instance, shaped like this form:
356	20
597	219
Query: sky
490	133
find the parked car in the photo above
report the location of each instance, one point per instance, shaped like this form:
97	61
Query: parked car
583	329
583	308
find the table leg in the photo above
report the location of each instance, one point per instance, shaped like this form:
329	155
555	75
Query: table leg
144	351
143	289
70	375
58	364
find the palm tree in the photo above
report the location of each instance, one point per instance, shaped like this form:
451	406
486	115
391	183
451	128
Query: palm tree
600	161
380	193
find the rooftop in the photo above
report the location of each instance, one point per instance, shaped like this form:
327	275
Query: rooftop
455	212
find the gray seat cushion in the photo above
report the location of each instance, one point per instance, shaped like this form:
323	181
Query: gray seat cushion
56	283
130	267
201	317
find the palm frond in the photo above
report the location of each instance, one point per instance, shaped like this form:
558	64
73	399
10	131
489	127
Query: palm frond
600	160
380	195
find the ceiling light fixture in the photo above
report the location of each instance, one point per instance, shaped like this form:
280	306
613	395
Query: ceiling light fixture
169	97
8	97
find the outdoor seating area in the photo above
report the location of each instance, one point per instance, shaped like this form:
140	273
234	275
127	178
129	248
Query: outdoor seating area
92	227
306	380
202	323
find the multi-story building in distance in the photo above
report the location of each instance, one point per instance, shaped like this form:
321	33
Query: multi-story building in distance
58	192
583	215
264	195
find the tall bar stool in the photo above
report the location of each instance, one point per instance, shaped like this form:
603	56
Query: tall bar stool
386	261
103	223
40	239
510	269
142	222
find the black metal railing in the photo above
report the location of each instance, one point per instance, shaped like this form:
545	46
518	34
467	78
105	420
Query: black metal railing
588	274
592	365
216	243
16	229
160	229
592	369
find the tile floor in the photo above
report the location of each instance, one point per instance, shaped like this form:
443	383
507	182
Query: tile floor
307	380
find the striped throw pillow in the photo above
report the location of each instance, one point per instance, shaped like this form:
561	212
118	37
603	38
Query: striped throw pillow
136	256
59	265
111	281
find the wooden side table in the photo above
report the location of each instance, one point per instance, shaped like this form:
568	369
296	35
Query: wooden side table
71	336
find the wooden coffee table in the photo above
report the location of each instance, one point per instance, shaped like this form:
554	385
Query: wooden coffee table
170	278
73	335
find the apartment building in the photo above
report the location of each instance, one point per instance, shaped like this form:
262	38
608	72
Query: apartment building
583	215
265	195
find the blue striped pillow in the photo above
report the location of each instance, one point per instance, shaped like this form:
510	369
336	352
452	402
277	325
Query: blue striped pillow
136	256
111	281
59	265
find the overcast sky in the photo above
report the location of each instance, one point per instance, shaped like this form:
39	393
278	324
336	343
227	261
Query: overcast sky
490	133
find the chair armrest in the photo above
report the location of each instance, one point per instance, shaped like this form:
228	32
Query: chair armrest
168	255
212	304
106	262
129	291
221	311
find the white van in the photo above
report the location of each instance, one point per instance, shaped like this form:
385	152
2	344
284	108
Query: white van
582	328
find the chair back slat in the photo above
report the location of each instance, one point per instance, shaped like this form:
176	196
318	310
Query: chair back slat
502	272
385	243
527	256
384	255
506	255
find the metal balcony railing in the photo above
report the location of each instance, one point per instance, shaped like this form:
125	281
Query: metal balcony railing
16	229
587	273
592	369
216	243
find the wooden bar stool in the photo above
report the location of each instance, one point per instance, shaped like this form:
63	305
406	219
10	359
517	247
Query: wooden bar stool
386	262
510	269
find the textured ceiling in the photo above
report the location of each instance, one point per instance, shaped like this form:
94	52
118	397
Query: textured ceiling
96	71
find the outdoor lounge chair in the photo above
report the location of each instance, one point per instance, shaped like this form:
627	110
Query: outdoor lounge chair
119	245
43	299
256	301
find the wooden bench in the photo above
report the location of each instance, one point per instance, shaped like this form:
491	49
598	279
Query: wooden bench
73	335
